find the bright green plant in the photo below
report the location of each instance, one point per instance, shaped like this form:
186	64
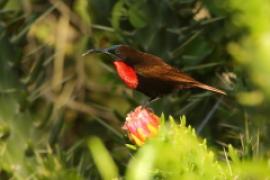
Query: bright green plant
178	153
52	99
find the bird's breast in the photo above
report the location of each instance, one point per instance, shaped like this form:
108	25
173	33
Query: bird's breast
127	73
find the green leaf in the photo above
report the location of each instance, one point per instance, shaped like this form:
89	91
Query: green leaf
81	7
102	158
233	154
117	13
136	17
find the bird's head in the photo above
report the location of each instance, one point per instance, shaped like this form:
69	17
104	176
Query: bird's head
116	52
124	60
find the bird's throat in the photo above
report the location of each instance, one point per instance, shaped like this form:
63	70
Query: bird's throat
126	73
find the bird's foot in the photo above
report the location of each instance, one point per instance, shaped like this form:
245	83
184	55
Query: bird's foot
148	102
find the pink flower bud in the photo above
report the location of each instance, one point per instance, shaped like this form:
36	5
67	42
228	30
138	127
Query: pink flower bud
141	124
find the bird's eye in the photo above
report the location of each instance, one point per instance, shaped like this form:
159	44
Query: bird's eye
114	50
117	52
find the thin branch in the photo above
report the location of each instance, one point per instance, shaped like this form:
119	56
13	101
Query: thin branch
209	115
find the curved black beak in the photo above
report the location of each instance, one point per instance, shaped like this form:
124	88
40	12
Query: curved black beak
104	51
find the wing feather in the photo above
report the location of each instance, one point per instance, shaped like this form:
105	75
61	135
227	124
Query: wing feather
166	73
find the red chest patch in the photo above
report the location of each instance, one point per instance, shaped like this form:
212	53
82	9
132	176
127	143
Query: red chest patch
126	73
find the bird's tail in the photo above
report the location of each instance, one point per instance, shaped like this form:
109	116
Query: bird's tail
209	88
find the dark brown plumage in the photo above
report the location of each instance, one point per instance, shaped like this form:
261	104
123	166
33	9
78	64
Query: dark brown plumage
154	77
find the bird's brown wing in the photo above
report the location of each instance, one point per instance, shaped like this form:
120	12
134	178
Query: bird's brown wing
165	73
170	74
154	67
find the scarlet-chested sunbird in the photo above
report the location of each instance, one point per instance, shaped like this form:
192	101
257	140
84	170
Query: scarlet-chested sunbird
148	73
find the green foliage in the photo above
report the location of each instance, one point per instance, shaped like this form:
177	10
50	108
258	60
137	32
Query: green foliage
176	153
52	99
257	40
102	158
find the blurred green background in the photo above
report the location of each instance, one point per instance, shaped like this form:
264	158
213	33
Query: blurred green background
52	99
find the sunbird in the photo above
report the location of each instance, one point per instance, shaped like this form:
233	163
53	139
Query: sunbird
148	73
